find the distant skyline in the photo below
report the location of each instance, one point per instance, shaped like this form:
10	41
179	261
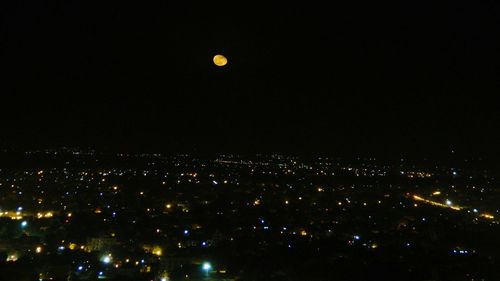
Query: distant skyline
348	79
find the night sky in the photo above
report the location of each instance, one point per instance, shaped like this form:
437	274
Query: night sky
375	78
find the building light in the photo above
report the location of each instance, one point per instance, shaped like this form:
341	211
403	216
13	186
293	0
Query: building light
12	258
157	251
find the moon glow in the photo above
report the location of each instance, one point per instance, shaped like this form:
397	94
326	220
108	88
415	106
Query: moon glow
220	60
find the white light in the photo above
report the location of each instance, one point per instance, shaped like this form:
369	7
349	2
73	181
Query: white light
80	268
206	266
448	202
106	259
24	224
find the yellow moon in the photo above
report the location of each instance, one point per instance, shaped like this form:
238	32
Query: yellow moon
220	60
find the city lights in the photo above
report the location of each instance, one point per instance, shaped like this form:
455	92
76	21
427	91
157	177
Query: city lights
274	215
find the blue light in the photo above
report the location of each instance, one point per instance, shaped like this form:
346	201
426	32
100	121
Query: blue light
356	237
203	243
186	232
19	209
24	224
80	268
100	273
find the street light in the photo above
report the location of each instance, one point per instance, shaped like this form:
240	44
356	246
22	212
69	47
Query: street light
106	259
206	266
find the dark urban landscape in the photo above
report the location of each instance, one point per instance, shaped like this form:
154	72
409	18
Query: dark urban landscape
70	214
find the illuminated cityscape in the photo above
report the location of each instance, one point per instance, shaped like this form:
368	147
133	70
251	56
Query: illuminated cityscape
101	216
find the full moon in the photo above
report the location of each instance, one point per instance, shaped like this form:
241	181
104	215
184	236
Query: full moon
220	60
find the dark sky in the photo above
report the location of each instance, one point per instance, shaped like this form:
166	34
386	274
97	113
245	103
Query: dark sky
418	77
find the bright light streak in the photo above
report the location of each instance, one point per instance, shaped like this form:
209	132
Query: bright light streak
448	204
487	216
